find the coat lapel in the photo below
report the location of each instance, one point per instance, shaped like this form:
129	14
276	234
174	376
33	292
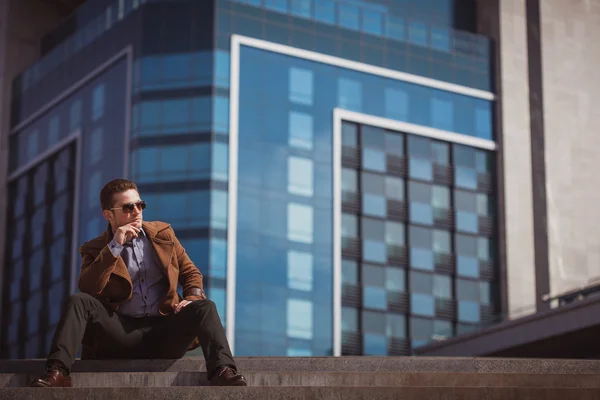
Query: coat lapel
100	242
163	248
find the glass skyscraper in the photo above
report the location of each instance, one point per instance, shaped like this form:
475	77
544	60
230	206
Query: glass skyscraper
328	165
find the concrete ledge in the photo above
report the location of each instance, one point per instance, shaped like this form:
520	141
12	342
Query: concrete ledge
331	364
347	393
370	379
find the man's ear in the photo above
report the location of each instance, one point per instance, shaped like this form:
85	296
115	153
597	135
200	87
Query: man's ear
108	215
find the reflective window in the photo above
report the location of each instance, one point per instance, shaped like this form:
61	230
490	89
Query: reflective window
349	93
299	319
396	326
417	33
422	304
325	11
348	16
469	311
33	144
218	209
301	130
374	251
75	116
53	130
372	22
349	319
394	233
301	8
96	144
349	272
349	134
349	226
442	287
373	160
222	60
220	115
374	345
98	102
301	86
300	176
277	5
442	114
394	188
220	161
395	279
300	270
421	254
300	223
349	181
395	27
374	298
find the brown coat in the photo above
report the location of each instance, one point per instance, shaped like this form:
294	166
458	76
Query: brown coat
107	278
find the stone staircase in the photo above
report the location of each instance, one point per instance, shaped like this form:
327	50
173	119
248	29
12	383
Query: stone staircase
415	378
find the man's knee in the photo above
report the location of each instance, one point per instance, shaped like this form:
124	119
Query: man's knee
204	306
80	300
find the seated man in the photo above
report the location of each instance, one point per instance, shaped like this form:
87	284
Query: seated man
128	305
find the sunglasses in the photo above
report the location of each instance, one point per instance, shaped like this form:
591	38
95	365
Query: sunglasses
128	208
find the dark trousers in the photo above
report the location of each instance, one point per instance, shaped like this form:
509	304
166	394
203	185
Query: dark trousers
112	336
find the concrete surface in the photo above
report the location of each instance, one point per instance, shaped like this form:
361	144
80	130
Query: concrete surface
329	364
370	393
270	379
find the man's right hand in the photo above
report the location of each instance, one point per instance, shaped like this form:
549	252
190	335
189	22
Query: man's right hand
125	233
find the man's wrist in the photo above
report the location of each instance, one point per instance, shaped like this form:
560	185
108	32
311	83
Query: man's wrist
115	248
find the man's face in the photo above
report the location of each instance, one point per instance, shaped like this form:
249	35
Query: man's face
120	215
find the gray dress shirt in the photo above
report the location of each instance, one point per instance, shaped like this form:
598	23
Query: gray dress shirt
149	281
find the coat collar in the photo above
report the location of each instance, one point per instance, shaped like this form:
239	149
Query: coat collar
162	244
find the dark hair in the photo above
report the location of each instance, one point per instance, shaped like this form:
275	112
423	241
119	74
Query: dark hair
113	187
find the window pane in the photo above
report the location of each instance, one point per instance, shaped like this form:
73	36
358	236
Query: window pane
422	304
395	279
300	176
300	270
350	93
349	180
325	11
300	223
394	233
442	287
348	16
396	326
394	188
301	130
396	104
299	319
349	319
349	134
374	298
373	229
374	251
349	226
301	86
349	272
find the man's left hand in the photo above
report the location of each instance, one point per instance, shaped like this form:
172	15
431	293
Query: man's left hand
180	306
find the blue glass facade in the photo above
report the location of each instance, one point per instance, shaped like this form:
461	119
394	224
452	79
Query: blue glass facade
177	120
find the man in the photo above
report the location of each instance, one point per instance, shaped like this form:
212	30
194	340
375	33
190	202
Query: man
128	305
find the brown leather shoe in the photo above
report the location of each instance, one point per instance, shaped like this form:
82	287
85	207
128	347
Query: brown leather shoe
227	376
53	377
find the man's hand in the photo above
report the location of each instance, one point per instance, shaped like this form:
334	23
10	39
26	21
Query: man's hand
125	233
180	306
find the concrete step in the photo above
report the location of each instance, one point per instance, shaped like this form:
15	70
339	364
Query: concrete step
373	379
346	393
328	364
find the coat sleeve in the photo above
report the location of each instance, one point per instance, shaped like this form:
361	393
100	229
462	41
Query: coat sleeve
190	277
95	271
